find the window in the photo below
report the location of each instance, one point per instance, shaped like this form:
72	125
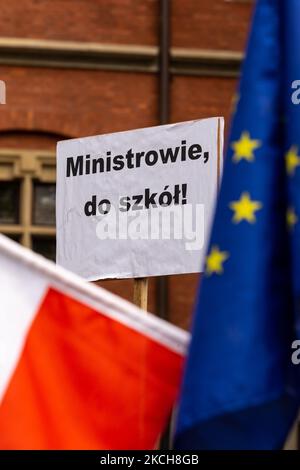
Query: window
27	199
44	204
45	246
9	202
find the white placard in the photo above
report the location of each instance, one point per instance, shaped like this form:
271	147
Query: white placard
138	203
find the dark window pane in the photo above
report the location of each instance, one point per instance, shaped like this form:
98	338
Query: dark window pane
15	238
9	202
44	204
45	246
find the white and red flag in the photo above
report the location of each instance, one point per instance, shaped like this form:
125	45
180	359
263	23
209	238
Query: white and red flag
80	368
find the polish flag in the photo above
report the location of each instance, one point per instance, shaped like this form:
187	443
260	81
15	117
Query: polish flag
80	368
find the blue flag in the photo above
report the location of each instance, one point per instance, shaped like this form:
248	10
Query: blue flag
241	388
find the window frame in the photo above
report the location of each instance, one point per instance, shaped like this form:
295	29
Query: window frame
27	166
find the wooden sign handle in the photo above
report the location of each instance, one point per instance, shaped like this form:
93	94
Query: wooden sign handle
140	292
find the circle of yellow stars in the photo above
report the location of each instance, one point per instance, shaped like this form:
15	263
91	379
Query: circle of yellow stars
245	208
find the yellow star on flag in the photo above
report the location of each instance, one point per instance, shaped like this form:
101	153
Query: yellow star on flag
215	260
245	208
291	218
244	148
292	160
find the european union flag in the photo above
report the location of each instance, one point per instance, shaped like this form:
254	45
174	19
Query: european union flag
241	388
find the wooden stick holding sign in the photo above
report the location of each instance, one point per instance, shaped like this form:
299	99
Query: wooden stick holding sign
140	292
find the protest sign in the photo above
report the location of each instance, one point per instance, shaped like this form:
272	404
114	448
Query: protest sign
138	203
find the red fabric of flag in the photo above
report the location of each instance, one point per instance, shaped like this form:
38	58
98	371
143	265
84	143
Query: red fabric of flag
86	381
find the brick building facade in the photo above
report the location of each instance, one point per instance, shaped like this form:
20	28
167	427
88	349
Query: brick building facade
89	67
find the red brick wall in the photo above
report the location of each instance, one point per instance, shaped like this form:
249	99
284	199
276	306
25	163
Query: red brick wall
109	21
77	102
29	140
201	97
211	24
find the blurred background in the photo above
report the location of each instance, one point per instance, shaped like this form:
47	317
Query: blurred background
75	68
